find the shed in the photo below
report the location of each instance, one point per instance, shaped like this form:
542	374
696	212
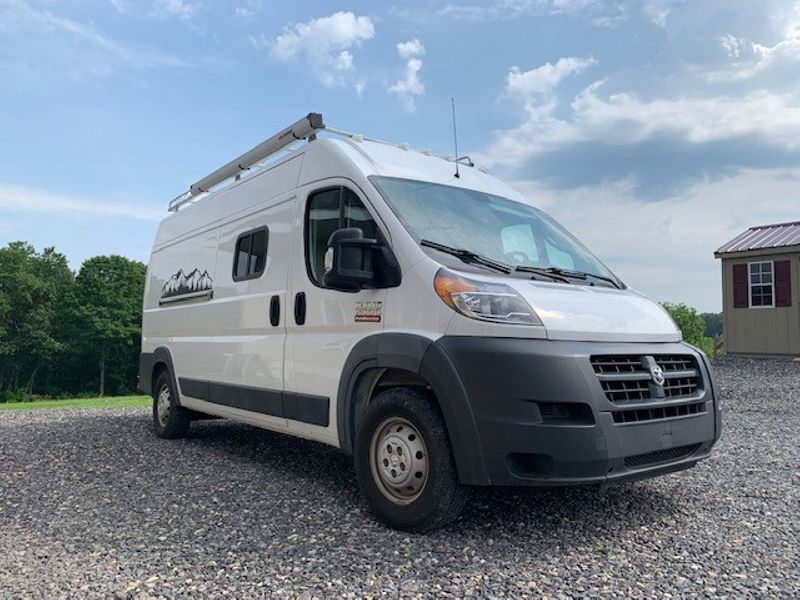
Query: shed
760	290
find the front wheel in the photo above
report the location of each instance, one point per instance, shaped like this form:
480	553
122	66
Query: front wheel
404	463
170	420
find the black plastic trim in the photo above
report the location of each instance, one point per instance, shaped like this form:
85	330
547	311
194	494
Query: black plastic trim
300	308
504	380
491	390
147	364
275	311
306	408
415	354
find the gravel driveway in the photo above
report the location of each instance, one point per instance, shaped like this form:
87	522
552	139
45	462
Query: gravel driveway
92	504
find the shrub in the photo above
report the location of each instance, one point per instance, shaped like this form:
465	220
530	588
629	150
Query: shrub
16	396
692	326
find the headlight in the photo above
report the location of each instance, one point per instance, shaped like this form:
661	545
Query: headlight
495	302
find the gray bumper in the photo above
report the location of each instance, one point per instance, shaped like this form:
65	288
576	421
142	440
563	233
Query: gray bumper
543	417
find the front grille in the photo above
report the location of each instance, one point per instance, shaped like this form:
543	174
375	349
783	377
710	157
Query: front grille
616	364
680	387
660	456
675	363
627	380
637	415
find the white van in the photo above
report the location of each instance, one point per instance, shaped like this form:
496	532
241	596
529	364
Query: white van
416	313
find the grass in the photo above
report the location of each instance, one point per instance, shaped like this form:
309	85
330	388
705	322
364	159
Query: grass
114	402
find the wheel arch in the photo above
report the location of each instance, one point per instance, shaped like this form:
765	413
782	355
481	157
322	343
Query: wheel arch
150	364
410	359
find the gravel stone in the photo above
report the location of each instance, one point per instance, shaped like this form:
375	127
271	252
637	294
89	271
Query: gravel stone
93	505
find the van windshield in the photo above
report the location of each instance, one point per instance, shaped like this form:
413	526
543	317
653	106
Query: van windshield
509	232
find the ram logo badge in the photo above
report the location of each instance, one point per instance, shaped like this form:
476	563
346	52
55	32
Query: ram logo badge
657	373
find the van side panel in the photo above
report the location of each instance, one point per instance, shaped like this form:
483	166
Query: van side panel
179	307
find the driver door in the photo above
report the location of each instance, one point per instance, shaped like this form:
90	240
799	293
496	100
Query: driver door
324	324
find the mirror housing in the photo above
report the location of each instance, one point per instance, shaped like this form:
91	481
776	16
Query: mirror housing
353	262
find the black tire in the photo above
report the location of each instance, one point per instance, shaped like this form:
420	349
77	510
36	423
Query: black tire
174	423
442	496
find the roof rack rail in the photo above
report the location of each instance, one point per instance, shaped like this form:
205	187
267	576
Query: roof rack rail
304	128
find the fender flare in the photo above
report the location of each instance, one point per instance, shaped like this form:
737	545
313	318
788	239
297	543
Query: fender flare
148	361
427	359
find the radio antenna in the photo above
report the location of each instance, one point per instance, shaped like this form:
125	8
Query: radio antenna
455	133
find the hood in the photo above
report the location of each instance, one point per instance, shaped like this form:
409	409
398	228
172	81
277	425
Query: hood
596	313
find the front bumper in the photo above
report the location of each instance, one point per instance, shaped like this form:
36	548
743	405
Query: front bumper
543	417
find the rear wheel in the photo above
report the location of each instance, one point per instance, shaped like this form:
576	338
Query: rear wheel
404	463
169	419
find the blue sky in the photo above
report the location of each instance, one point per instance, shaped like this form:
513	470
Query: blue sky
654	130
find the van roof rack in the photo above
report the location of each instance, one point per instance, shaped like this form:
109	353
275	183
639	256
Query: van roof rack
304	128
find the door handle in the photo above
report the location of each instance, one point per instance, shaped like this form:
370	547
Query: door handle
300	308
275	311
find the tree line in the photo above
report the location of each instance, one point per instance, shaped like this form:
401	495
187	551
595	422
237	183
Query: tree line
703	330
64	333
67	334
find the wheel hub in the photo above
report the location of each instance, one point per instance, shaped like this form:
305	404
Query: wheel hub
399	460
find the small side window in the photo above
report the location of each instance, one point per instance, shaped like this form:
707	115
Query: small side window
250	257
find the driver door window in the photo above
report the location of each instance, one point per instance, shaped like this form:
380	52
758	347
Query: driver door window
329	210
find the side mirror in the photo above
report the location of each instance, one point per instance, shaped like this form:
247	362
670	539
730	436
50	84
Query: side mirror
349	260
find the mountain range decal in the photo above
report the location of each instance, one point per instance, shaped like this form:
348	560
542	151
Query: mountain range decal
186	283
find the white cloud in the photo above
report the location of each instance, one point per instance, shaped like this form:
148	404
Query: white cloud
325	43
249	9
542	80
626	118
601	13
40	45
665	248
179	9
751	58
410	48
409	86
734	46
658	11
22	198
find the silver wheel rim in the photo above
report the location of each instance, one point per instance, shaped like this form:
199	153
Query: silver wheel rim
398	459
163	403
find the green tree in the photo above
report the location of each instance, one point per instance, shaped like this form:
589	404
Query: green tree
32	288
692	326
106	309
713	323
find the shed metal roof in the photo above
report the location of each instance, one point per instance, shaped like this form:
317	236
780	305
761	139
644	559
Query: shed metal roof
764	237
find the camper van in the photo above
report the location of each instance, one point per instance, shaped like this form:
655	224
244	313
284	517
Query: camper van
420	315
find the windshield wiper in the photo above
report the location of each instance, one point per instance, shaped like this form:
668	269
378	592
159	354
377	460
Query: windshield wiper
565	273
584	275
468	256
542	271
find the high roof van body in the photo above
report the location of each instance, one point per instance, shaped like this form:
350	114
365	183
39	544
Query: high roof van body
438	327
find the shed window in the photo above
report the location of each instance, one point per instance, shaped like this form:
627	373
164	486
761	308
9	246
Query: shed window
251	255
762	288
